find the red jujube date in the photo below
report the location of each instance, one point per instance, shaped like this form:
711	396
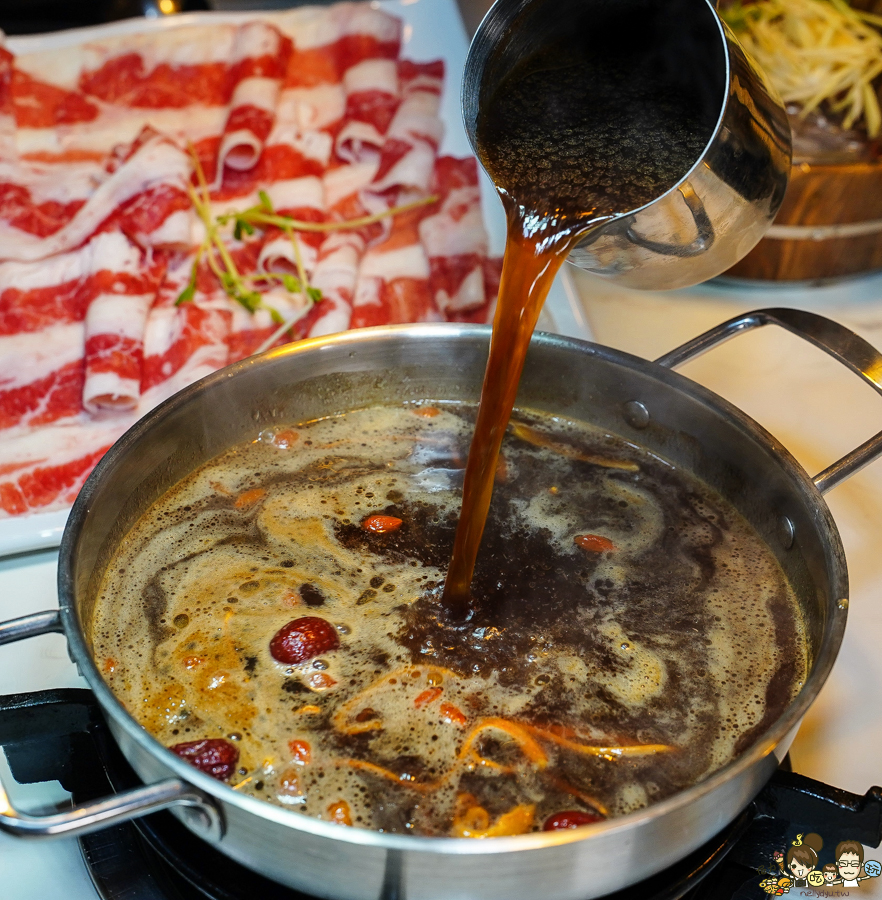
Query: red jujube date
570	818
303	639
214	756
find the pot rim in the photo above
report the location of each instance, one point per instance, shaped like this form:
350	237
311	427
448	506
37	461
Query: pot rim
761	748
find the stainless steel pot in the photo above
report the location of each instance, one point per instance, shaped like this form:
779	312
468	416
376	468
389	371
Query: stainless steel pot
727	200
645	402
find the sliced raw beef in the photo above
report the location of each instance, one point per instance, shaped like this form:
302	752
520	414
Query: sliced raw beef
259	63
119	285
455	238
393	279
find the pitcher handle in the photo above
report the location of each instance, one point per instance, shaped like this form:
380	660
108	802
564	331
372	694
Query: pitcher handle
705	228
202	813
837	340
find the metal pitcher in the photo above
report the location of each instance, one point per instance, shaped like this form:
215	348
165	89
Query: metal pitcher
726	201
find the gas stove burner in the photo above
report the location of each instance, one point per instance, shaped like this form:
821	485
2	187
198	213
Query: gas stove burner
61	735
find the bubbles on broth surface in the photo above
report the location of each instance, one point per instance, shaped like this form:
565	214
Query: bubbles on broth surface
585	679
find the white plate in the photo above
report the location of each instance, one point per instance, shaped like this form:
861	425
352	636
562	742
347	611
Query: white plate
433	29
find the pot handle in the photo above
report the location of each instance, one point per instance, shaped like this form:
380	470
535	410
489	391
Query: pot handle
844	345
48	622
201	813
88	817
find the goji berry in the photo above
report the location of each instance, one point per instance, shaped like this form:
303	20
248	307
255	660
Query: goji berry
428	696
381	524
595	543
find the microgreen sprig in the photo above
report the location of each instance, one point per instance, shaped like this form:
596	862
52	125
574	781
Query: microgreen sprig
242	288
264	215
215	251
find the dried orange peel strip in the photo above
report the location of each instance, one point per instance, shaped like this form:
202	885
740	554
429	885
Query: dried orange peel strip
607	751
344	718
381	771
591	802
409	438
474	822
540	439
528	745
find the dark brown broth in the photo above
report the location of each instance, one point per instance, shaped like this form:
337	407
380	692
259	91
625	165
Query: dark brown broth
685	634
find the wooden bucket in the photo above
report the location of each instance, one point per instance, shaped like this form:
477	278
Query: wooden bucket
829	226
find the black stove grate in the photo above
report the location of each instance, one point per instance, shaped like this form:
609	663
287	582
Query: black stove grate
61	735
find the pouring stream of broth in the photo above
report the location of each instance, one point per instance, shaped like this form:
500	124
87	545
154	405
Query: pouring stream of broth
580	132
